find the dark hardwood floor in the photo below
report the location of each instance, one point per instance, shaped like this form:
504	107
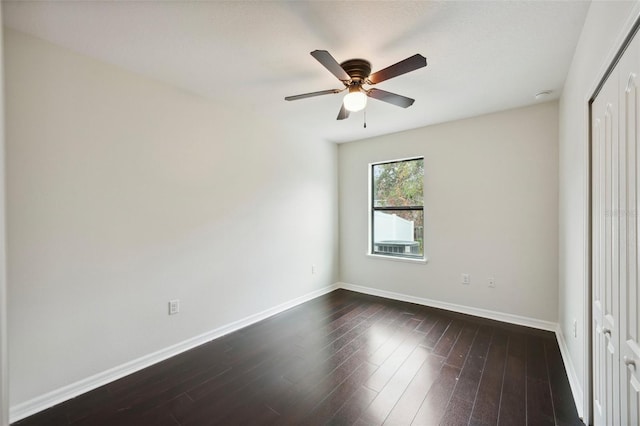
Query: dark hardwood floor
344	359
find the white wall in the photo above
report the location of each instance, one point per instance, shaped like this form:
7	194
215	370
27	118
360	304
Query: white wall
606	25
490	210
124	193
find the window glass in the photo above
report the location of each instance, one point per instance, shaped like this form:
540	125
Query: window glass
398	183
397	208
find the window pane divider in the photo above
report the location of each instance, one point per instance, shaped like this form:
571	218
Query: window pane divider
392	208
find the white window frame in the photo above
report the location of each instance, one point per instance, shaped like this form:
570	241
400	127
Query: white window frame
370	212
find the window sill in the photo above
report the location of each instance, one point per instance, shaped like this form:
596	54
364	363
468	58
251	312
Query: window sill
422	260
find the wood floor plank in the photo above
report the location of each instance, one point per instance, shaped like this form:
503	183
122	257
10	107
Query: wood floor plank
448	339
427	323
349	413
436	332
457	412
460	350
536	359
299	401
564	409
513	405
409	403
329	406
224	396
316	386
539	405
487	403
435	403
389	396
174	408
469	379
338	351
407	344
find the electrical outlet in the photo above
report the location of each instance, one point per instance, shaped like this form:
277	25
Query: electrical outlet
492	282
575	328
466	279
314	270
174	306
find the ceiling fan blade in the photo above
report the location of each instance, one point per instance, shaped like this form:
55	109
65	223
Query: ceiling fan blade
312	94
331	64
344	113
410	64
392	98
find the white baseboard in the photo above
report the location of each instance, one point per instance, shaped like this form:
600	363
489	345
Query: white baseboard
65	393
576	389
484	313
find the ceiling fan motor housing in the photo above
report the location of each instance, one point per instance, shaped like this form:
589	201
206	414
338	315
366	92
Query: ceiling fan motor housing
358	69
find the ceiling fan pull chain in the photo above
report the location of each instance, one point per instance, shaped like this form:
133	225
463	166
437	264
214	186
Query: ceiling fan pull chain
365	118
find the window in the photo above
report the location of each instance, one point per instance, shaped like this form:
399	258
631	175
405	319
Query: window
397	208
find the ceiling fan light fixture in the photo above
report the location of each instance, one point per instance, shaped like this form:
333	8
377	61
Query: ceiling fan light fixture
355	100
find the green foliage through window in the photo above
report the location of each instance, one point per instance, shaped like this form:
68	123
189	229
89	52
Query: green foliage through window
399	183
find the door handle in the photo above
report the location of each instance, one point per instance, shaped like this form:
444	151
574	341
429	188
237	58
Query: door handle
606	331
632	77
629	362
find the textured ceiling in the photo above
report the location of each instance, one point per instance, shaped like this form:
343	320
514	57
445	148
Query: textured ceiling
482	56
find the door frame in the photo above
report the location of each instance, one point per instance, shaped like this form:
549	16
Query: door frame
4	350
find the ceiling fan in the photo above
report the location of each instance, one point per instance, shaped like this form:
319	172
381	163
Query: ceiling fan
355	73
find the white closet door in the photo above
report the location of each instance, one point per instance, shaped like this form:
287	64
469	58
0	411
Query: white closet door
629	70
606	252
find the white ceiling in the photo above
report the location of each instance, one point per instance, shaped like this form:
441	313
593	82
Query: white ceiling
483	56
